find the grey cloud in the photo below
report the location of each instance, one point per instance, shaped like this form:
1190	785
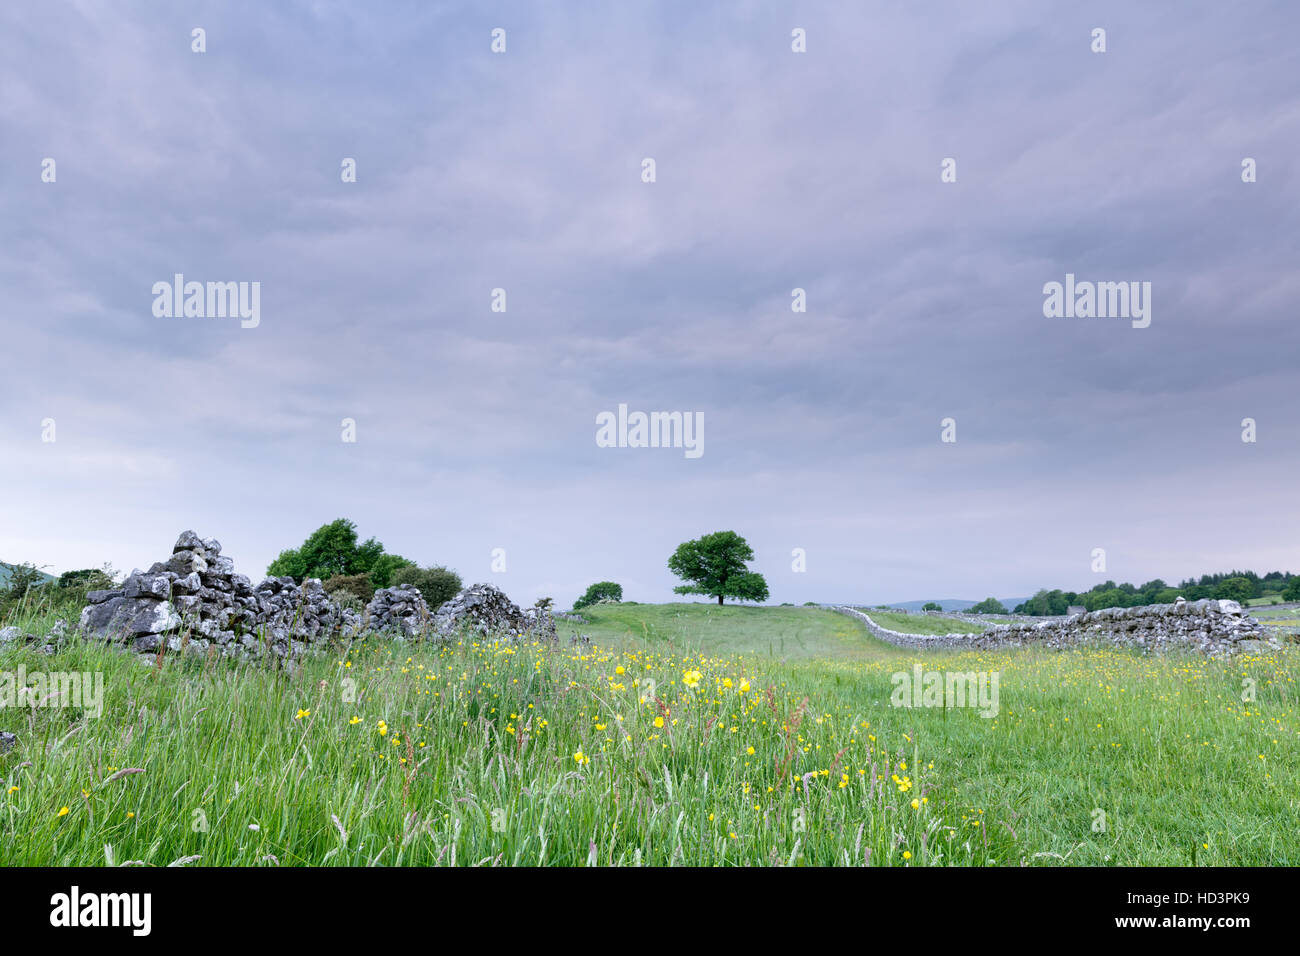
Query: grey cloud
820	171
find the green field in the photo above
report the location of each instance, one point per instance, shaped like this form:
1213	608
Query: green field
1265	601
1275	613
922	623
694	734
705	628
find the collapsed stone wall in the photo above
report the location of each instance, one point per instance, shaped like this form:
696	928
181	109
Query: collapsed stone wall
400	610
302	612
195	601
485	610
1215	628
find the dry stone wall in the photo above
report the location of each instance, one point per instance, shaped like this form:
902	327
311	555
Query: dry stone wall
305	613
195	592
401	610
1215	628
485	610
196	602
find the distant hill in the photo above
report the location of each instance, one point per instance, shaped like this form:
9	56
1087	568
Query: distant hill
6	569
953	604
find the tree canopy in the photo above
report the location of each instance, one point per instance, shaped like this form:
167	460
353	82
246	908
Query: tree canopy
714	564
332	549
600	591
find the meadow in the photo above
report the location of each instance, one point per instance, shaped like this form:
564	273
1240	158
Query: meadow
686	734
922	623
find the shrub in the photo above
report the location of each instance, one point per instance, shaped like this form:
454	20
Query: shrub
600	591
20	579
931	606
989	606
29	590
437	584
348	599
358	586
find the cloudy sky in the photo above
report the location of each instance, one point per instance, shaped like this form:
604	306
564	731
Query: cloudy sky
775	170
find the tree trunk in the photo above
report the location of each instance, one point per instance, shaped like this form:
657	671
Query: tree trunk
719	599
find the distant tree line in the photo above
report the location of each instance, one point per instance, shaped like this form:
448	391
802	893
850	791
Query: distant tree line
1230	585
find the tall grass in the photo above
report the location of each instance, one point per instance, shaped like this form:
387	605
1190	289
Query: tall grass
478	753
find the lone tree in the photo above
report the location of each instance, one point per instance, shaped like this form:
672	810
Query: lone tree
600	591
931	606
714	564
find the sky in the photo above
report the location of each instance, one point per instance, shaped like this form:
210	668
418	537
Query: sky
774	170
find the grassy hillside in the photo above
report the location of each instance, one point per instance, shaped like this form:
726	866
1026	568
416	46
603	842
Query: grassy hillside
922	623
703	628
650	751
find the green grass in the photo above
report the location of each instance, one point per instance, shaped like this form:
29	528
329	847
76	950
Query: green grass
923	623
702	628
561	750
1272	613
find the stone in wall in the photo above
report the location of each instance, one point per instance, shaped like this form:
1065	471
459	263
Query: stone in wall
48	645
400	610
